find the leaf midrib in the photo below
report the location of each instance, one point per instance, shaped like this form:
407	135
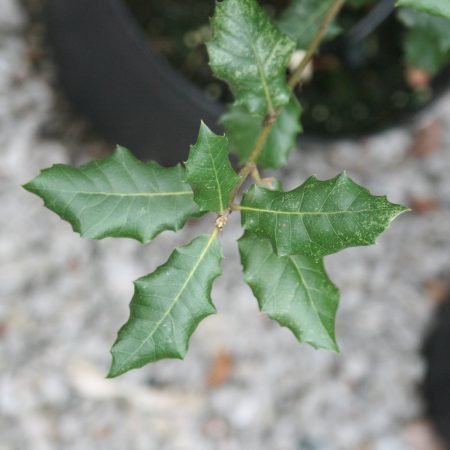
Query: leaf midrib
216	176
120	194
308	293
262	76
308	213
174	302
260	68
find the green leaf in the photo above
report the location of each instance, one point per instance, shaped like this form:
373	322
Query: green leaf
293	290
242	129
168	305
302	18
427	40
118	196
318	217
251	54
209	172
435	7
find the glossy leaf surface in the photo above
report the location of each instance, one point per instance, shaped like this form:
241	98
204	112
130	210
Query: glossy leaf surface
119	196
209	172
168	305
293	290
318	217
250	53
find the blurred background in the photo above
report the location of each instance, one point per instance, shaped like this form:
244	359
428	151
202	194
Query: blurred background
76	77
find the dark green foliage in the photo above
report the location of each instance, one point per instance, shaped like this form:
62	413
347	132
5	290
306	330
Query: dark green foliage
243	129
435	7
119	197
318	217
293	290
209	172
286	233
168	305
427	41
310	14
251	54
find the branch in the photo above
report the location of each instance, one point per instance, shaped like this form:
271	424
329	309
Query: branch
295	78
271	116
315	42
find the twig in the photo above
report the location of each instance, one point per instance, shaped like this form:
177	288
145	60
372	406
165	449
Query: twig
314	44
272	116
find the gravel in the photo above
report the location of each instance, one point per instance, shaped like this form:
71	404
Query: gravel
64	298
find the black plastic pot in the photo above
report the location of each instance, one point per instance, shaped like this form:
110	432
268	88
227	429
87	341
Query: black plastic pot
113	77
131	94
437	380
